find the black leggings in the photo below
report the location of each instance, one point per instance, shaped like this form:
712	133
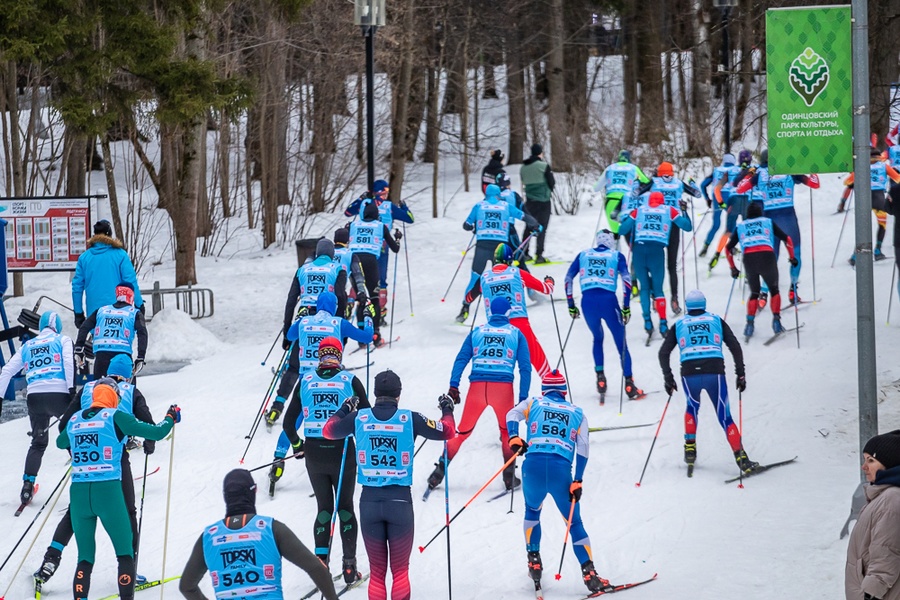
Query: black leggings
672	258
368	264
41	407
63	533
323	465
762	265
541	211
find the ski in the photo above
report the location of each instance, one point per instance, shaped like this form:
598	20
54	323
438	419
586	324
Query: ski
612	589
139	477
38	587
649	337
271	489
602	399
596	429
315	590
690	470
549	263
782	334
761	469
427	493
538	592
145	585
352	352
501	494
24	504
354	585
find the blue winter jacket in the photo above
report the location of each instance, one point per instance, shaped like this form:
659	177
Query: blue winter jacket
102	267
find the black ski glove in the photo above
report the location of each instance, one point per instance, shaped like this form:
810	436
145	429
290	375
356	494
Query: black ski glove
794	262
446	404
735	272
149	447
174	413
79	320
741	383
671	386
518	445
298	449
398	235
468	226
285	343
575	491
453	392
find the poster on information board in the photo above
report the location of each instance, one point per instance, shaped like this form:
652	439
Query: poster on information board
808	90
45	234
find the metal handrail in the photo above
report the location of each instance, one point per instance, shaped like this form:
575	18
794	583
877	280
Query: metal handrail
199	303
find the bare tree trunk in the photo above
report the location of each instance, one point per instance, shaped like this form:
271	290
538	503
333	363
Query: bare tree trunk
556	83
432	121
418	98
75	163
651	129
15	140
744	70
401	105
224	157
699	137
515	94
111	189
629	76
360	119
204	212
464	104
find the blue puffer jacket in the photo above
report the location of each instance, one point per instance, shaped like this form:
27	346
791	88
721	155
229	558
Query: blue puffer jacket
100	269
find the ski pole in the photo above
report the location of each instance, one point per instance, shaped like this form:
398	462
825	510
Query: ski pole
422	445
702	218
741	429
277	460
520	248
394	298
455	273
598	429
603	202
162	588
269	389
262	409
565	540
45	429
655	436
268	354
137	542
622	363
512	489
683	268
565	344
733	281
693	241
891	296
562	350
812	240
408	278
466	505
796	315
337	498
843	223
447	517
62	482
475	316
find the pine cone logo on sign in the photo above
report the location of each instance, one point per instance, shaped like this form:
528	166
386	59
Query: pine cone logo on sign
809	75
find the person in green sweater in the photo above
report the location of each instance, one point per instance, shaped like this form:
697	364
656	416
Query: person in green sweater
96	439
537	177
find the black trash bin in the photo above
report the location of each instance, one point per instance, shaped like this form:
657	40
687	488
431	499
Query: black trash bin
306	249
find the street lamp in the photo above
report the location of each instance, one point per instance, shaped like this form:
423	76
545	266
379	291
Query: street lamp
725	66
369	15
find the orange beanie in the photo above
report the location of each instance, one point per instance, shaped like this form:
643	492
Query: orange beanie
665	169
104	396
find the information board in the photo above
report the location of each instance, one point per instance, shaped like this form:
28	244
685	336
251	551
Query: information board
45	234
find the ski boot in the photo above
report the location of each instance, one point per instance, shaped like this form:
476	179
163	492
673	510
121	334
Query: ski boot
663	327
275	474
878	255
601	382
676	308
593	582
437	476
762	300
275	411
841	204
743	462
463	313
27	492
509	478
777	327
705	248
139	579
535	566
852	260
378	341
633	391
690	452
714	261
49	566
540	260
648	325
748	328
350	572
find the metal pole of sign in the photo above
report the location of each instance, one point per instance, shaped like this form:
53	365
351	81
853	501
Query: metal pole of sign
865	292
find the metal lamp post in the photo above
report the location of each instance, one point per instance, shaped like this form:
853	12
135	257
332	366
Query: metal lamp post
725	66
370	15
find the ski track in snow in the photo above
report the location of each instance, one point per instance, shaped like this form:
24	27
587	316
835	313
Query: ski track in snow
707	540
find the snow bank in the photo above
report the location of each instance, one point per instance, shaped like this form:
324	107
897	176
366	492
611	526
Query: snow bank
174	336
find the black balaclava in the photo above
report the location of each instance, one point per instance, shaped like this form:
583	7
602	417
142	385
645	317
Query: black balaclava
239	490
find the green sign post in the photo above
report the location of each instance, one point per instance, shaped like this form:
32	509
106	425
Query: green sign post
809	99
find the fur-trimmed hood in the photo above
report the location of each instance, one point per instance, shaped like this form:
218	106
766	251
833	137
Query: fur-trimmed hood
105	239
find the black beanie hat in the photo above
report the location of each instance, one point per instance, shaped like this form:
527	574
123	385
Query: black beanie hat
387	383
342	236
537	150
370	212
239	491
103	227
885	448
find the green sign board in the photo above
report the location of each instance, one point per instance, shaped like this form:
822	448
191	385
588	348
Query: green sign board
809	97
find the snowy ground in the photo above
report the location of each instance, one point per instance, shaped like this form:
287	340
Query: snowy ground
706	540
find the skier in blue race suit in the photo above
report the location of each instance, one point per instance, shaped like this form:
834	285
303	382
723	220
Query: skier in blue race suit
557	435
599	269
